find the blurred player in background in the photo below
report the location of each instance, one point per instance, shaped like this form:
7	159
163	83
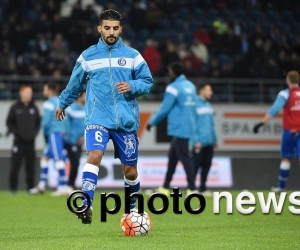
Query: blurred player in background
117	75
74	137
178	106
23	121
204	140
53	132
289	101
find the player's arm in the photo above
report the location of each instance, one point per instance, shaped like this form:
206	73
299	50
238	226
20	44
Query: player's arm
278	104
48	109
11	121
75	85
143	78
165	107
37	124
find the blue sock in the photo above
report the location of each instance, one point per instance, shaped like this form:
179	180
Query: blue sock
43	174
134	188
284	173
60	166
89	180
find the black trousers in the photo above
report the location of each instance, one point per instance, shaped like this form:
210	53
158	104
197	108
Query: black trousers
202	160
22	151
179	151
74	153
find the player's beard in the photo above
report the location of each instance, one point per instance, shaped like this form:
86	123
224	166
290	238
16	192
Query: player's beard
110	40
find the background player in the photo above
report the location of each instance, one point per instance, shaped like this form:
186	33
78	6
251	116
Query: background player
178	106
53	132
74	137
205	139
289	101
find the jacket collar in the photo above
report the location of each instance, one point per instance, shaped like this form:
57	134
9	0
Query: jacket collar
180	78
103	45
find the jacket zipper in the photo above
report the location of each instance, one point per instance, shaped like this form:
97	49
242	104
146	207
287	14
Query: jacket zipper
113	89
93	109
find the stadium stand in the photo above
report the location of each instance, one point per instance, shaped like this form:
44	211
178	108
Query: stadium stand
242	39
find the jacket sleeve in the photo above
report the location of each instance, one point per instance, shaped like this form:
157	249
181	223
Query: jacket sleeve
215	138
11	121
37	121
142	77
166	106
279	102
75	85
48	111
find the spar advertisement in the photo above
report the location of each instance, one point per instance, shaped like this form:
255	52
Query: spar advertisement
234	123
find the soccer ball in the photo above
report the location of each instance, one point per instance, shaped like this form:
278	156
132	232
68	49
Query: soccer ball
133	224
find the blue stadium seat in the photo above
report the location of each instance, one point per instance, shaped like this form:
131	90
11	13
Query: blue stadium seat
143	34
184	14
212	14
198	13
165	24
240	14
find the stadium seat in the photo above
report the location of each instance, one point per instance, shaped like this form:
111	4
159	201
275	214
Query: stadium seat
198	13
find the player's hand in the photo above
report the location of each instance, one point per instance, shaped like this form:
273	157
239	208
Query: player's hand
148	127
80	141
123	87
60	114
256	127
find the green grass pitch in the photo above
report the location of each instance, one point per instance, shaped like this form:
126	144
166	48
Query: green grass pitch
44	222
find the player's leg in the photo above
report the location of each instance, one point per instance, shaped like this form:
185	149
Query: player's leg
287	152
126	149
182	150
207	155
41	187
132	180
96	139
74	153
172	163
57	149
16	161
30	165
196	154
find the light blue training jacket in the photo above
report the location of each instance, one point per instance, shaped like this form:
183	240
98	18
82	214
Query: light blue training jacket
75	115
49	123
178	106
205	131
100	67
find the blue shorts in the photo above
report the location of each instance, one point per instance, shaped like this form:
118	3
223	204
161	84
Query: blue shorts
55	147
290	144
125	143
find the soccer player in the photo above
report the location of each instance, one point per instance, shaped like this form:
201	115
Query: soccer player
178	106
53	133
289	101
205	139
116	74
74	137
23	121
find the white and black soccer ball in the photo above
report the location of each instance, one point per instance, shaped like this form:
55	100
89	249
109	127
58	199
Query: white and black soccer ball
134	223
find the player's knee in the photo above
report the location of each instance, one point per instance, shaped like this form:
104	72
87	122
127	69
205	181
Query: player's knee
130	173
95	157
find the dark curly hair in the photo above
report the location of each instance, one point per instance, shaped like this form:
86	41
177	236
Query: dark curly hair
110	15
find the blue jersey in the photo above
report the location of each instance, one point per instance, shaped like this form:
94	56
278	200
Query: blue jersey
49	122
75	115
103	66
178	106
205	131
